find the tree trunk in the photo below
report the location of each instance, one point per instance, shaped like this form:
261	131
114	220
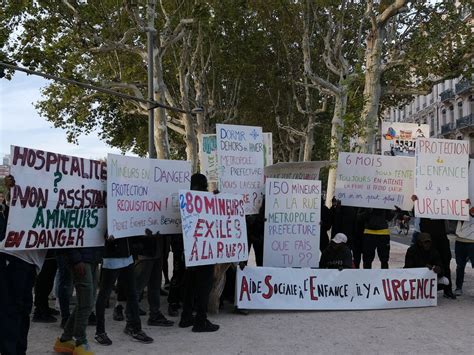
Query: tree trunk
372	90
309	139
161	130
337	124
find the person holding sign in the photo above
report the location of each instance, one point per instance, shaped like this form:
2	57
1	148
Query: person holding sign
117	261
197	284
464	249
18	270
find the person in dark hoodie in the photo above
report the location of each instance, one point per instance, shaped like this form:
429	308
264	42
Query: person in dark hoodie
422	254
197	284
376	236
325	225
82	262
117	261
436	228
337	255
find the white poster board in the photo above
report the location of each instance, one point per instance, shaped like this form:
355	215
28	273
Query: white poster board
399	138
59	201
240	158
441	179
292	230
324	289
375	181
143	194
214	228
208	157
303	170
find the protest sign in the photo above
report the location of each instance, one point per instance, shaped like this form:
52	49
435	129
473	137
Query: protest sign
267	148
375	181
143	193
303	170
59	201
292	230
399	138
214	228
318	289
441	179
208	157
240	159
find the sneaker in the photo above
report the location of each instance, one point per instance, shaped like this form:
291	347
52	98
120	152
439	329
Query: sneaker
138	335
92	319
159	320
141	312
40	317
186	322
83	349
103	339
458	292
449	294
205	327
66	347
173	310
118	313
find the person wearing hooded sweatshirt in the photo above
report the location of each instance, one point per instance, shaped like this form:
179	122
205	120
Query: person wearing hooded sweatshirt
337	255
197	284
422	254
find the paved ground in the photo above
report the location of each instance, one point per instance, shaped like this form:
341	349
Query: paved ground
446	329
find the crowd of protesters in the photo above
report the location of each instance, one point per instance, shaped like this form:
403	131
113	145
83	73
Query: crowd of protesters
349	237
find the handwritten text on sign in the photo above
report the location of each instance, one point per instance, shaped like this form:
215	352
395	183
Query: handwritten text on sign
292	212
214	228
240	157
143	193
441	183
59	201
375	181
299	289
208	157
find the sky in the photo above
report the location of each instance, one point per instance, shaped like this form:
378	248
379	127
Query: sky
21	124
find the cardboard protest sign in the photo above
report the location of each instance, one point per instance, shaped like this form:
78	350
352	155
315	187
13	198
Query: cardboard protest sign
214	228
303	170
375	181
318	289
267	148
208	157
240	158
441	179
292	230
143	193
399	138
59	201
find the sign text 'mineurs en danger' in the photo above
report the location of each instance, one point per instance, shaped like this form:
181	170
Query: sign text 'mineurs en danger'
214	228
59	201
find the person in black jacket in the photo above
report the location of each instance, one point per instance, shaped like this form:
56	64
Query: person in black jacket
255	233
326	223
436	228
376	235
117	261
337	255
197	284
422	254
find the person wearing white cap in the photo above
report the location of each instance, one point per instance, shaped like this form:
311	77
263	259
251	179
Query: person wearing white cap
337	255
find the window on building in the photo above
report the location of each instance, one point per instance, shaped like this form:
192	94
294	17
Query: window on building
443	117
460	114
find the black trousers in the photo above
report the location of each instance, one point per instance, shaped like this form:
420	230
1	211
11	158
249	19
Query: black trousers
371	243
122	288
441	244
176	291
108	278
357	245
16	300
197	286
44	284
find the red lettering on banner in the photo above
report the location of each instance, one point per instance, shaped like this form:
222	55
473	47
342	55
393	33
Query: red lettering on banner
312	288
269	294
199	226
244	287
13	239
